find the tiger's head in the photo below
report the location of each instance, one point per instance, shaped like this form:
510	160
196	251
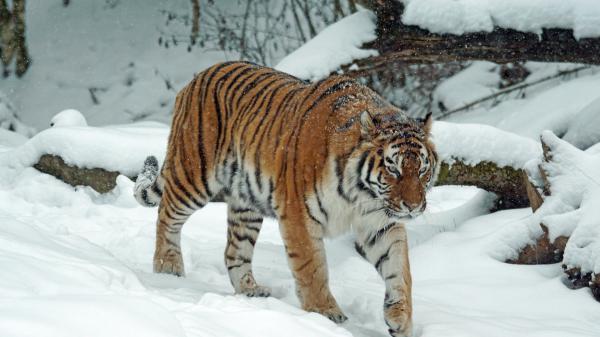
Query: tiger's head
397	163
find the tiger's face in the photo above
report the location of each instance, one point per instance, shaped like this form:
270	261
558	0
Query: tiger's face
399	166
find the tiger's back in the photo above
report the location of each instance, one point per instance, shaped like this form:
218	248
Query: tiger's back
275	146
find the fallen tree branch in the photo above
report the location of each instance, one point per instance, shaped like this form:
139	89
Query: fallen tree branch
400	43
510	89
505	181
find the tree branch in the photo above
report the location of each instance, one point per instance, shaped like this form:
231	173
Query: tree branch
397	42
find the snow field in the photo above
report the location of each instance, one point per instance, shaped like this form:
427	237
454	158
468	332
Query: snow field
76	256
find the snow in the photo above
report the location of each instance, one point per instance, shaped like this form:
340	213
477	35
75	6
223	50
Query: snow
121	148
336	45
81	265
583	130
476	81
467	16
68	117
572	208
474	143
567	106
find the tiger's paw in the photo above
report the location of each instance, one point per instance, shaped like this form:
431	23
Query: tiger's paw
257	291
170	262
334	314
398	318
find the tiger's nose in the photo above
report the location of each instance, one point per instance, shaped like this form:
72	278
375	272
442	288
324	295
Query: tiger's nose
411	205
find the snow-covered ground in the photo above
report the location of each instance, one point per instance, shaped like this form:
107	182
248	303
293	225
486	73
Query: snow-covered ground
79	264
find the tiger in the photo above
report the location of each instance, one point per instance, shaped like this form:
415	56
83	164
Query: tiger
321	158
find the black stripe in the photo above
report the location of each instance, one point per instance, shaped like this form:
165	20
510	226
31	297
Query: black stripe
250	220
321	208
340	188
156	189
184	190
244	237
145	198
310	215
359	249
178	196
407	143
382	259
182	151
217	90
379	234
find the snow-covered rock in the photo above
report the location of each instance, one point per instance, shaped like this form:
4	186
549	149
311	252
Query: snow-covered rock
68	117
336	45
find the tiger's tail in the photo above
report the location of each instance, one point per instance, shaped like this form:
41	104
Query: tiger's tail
148	187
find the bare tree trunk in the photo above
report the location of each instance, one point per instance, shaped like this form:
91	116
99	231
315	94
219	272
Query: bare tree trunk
195	20
12	37
306	11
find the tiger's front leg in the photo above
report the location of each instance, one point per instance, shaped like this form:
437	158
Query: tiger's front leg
303	240
387	250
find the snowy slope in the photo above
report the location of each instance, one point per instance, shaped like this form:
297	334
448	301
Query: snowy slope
569	106
78	260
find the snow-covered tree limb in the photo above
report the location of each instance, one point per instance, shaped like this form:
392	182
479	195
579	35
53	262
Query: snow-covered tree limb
531	41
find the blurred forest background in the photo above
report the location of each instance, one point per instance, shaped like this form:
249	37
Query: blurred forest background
119	61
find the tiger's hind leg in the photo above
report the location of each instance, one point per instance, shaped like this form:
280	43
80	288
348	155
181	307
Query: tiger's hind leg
172	215
242	232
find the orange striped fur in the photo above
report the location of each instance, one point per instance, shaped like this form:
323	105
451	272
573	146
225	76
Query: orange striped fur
322	159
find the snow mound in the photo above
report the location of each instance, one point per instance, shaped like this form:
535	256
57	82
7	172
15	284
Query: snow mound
474	143
572	209
120	148
467	16
69	117
336	45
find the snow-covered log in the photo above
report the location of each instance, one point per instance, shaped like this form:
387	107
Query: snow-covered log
471	154
89	156
566	226
437	31
486	157
101	180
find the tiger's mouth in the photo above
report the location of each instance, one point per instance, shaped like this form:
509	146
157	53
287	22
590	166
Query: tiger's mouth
398	213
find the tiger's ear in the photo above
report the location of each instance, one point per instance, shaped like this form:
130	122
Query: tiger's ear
367	125
427	123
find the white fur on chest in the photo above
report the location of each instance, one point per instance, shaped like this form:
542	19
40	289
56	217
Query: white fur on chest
344	216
